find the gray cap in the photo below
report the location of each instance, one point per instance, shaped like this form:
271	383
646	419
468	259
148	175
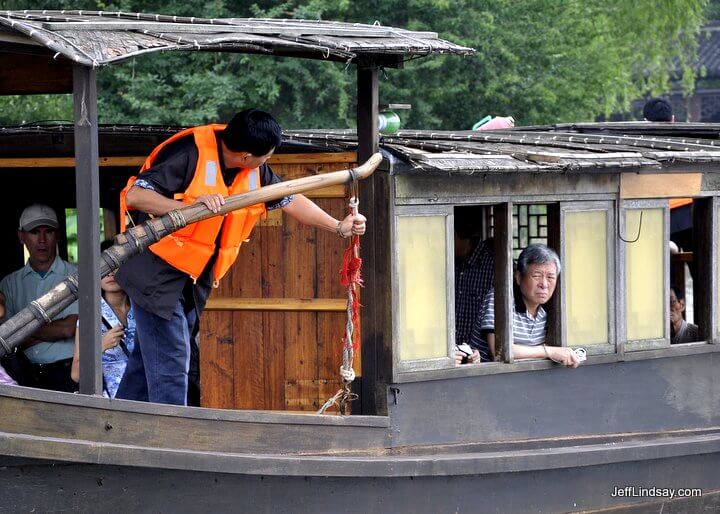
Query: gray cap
37	215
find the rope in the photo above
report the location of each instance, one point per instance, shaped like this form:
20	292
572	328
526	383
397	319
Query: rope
351	278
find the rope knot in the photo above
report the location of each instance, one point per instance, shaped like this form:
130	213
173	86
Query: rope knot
348	375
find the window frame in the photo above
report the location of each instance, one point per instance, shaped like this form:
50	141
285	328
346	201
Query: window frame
624	351
503	282
437	363
714	264
591	206
623	344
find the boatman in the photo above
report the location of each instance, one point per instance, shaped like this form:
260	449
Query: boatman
169	284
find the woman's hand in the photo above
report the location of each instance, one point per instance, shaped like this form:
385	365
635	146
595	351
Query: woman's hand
113	337
563	355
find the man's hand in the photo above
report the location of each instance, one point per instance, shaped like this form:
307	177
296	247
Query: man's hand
63	328
472	358
353	225
212	202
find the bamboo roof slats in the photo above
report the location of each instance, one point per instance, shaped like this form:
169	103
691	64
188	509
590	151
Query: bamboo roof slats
710	131
97	38
700	156
663	143
495	151
535	135
453	161
521	142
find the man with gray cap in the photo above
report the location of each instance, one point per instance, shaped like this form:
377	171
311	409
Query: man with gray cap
51	347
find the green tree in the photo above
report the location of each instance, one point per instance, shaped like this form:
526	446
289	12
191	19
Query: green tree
543	61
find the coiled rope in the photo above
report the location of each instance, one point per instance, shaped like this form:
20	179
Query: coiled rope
351	278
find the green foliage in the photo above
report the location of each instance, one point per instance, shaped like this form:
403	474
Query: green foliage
19	110
712	11
71	230
542	61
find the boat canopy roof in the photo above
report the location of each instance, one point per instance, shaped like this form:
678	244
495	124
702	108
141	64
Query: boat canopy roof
586	148
562	148
97	38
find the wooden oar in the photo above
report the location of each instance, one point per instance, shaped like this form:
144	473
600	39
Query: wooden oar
23	324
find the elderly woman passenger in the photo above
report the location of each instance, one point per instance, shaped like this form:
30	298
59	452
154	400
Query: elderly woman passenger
537	272
680	330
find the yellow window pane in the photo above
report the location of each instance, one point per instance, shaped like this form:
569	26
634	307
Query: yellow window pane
422	312
644	274
585	270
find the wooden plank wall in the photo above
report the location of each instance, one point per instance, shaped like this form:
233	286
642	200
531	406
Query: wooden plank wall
255	356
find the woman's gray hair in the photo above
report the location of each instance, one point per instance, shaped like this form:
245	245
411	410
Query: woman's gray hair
537	254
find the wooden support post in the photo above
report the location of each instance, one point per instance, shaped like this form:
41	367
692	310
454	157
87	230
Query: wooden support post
87	187
503	282
367	111
368	143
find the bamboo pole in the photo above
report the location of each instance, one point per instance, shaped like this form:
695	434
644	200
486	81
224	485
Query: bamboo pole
23	324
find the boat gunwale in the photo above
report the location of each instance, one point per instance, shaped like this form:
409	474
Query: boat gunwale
352	465
226	415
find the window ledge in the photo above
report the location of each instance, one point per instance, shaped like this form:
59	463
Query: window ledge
493	368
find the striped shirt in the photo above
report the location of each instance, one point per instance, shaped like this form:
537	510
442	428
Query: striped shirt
526	329
473	279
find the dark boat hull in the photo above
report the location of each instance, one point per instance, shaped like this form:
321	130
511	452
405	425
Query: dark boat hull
52	486
73	452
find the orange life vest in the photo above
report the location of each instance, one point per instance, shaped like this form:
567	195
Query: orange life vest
190	248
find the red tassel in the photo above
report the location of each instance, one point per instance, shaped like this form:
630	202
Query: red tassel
351	277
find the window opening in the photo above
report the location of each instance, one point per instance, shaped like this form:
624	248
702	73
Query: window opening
530	225
683	271
475	295
474	275
72	233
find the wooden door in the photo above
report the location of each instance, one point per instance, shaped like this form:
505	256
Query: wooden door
271	333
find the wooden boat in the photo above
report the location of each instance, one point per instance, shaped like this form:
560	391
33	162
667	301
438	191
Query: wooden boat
637	422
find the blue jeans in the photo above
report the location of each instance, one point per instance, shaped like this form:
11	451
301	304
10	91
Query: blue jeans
157	370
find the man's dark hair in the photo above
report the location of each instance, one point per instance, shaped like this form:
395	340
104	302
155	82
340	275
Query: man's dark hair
252	131
657	109
468	221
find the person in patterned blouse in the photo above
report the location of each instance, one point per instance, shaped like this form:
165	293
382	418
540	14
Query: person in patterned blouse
118	334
